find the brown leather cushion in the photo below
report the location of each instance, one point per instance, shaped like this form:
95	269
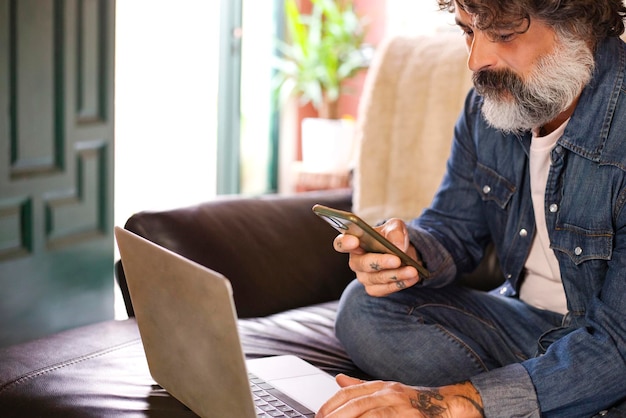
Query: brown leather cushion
276	252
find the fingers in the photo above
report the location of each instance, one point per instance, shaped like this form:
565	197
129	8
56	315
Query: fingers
382	274
378	398
394	284
394	230
346	243
345	380
354	390
374	262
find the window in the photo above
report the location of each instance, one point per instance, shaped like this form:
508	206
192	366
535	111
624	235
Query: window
417	17
166	104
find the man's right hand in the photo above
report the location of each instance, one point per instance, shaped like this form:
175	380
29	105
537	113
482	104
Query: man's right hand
381	274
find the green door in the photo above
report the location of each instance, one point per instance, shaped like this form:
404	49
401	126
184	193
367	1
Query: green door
56	165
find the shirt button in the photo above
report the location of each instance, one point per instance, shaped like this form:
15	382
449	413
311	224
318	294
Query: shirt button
558	149
503	290
486	189
523	233
578	251
554	208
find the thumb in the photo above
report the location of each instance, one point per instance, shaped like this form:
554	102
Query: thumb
395	231
345	381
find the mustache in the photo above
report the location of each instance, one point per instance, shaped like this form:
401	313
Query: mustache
497	83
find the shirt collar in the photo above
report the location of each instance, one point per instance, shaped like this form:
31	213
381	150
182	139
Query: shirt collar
588	129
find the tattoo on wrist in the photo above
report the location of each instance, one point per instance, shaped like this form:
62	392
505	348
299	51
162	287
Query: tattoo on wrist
479	408
423	402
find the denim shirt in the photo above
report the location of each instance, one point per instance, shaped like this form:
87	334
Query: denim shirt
485	196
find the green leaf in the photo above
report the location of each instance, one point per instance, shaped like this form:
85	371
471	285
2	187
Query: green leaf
322	50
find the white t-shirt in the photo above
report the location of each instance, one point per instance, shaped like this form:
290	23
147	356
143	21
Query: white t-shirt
542	286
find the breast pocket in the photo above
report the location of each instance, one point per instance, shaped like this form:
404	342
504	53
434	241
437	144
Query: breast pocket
492	186
582	244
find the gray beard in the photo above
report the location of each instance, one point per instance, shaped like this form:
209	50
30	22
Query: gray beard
553	85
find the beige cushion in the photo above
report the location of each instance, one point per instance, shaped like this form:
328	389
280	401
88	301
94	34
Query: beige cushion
412	97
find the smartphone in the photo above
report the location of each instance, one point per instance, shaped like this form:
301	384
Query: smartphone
371	240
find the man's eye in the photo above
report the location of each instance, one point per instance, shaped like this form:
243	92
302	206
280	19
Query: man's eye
467	32
504	37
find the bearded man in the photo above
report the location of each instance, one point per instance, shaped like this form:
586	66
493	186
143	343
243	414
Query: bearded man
538	168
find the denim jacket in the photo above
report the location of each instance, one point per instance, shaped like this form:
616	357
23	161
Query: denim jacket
485	196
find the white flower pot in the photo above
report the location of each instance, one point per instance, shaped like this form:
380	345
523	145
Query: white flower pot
327	144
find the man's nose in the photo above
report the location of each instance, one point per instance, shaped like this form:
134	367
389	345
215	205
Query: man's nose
482	53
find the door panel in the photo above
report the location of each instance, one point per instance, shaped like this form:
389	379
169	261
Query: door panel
56	165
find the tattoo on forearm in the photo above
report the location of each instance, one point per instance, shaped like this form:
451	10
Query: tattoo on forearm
423	402
475	404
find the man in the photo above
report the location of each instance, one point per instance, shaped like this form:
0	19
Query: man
538	168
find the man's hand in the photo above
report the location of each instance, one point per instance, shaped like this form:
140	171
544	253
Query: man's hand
389	399
381	274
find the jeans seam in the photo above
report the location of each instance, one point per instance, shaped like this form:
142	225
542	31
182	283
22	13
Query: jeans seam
472	354
453	337
469	314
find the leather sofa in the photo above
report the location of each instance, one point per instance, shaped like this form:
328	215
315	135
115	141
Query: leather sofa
278	255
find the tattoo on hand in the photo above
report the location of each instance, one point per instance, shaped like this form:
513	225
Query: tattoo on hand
424	403
400	285
375	266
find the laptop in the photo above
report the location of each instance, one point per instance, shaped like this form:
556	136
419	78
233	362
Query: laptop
188	326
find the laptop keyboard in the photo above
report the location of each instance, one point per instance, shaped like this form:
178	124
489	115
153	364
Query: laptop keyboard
270	402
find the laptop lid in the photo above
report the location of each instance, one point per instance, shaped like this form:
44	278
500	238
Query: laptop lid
188	325
187	322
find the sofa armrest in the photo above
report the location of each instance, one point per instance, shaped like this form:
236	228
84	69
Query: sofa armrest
275	251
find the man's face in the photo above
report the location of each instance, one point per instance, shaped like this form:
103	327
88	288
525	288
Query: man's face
526	79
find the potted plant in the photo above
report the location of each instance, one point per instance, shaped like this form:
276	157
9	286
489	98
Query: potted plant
323	49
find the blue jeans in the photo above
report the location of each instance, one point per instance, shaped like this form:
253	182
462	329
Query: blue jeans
432	337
